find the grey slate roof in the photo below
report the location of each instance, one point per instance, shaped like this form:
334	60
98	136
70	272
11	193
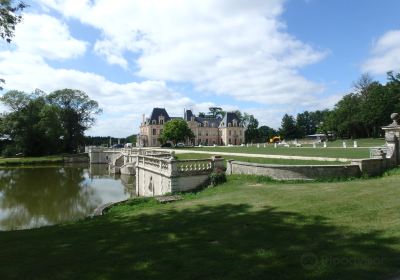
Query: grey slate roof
157	112
228	118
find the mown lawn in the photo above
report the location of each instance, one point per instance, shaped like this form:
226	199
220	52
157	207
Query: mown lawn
260	160
247	228
350	153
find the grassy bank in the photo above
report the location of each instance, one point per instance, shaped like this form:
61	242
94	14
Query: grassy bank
260	160
31	160
247	228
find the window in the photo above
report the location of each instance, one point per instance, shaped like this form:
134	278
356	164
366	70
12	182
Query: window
230	133
199	133
153	121
234	122
229	124
161	121
206	132
205	123
154	131
230	141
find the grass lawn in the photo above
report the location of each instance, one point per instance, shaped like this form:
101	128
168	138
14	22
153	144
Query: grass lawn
260	160
350	153
247	228
31	160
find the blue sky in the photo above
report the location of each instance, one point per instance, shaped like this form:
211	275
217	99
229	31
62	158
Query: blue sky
265	57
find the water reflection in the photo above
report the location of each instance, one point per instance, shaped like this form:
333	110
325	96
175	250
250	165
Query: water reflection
33	197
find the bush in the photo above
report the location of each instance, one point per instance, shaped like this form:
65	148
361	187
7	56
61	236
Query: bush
9	151
217	177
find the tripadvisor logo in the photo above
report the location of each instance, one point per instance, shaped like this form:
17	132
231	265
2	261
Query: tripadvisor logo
309	261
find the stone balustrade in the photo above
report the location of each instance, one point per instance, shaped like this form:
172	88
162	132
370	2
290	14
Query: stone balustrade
158	176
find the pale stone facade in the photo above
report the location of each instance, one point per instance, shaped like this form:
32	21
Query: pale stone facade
207	131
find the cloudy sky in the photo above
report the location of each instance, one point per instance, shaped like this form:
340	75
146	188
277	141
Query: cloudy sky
265	57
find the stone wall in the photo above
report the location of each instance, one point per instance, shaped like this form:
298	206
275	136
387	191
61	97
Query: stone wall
159	176
293	172
370	167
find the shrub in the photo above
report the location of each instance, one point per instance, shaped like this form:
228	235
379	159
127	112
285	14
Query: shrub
217	177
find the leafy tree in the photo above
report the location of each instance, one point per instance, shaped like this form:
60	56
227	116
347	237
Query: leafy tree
28	124
216	112
265	133
176	130
77	113
202	114
252	134
9	18
40	124
288	127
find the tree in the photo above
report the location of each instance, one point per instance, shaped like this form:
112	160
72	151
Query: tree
252	133
266	132
40	124
30	124
77	113
288	127
216	112
176	130
9	18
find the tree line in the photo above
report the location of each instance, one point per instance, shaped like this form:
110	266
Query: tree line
39	124
359	114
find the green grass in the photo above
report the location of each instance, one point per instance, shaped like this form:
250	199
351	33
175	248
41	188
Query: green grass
247	228
31	160
260	160
350	153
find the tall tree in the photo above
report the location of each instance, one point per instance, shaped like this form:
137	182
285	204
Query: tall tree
288	127
176	130
216	112
77	113
252	134
9	17
31	125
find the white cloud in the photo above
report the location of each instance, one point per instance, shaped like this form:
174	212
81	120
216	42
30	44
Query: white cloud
123	104
237	48
47	37
385	54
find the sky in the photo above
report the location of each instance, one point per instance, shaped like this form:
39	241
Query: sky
264	57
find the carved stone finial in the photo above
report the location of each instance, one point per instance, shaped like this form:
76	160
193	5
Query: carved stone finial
395	118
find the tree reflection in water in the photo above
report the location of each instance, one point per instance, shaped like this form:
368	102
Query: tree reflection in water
33	197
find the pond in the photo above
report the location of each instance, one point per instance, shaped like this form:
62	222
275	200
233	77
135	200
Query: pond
36	196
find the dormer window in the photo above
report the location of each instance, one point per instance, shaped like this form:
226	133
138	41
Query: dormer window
161	119
222	124
229	124
153	122
205	123
234	122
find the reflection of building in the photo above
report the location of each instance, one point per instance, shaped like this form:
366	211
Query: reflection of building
207	131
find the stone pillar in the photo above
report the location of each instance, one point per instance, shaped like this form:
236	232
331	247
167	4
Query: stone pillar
229	167
392	136
218	162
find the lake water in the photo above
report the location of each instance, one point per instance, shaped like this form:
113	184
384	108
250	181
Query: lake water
37	196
